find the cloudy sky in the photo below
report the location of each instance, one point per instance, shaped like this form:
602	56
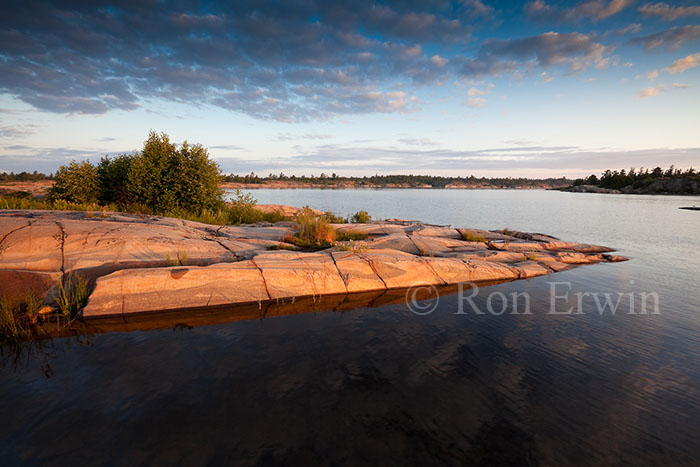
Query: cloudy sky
356	87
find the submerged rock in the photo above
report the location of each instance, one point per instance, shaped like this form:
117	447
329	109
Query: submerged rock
149	264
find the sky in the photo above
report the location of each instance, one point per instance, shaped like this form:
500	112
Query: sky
469	87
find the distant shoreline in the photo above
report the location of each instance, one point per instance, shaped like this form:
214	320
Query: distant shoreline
350	186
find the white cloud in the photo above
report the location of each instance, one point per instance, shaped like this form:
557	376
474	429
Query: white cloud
546	78
685	63
438	61
650	92
668	12
473	92
475	102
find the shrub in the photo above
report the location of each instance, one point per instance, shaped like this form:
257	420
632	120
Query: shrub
164	177
471	236
333	219
360	217
76	183
242	209
313	231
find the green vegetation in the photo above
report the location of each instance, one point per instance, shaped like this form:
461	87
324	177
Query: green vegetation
76	183
472	237
638	179
162	179
408	181
333	219
73	293
24	177
29	317
180	259
350	235
360	217
351	246
313	231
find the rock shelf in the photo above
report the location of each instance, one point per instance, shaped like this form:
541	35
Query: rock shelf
129	259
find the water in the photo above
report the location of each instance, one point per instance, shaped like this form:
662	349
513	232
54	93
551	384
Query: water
378	384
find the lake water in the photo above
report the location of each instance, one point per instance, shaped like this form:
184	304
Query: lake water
379	384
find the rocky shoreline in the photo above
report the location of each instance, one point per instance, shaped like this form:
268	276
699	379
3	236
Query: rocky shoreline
148	264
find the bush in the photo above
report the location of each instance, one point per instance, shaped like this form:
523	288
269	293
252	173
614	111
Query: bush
76	183
472	237
164	177
242	209
360	217
313	231
333	219
113	177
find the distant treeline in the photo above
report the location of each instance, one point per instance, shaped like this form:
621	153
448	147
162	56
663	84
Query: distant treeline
24	176
637	178
402	180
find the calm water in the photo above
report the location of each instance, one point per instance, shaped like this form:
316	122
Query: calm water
381	385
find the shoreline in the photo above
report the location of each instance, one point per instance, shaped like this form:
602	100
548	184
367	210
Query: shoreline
149	264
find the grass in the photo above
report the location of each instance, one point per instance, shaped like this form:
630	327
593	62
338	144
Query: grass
29	317
351	246
531	256
313	232
73	294
472	237
350	235
507	231
223	215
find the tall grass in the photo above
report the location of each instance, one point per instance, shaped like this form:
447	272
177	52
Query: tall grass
472	237
313	231
18	318
73	293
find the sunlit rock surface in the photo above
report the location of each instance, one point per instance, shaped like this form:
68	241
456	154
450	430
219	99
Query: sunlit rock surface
149	264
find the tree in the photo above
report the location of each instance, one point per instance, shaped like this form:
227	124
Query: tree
76	183
164	178
113	176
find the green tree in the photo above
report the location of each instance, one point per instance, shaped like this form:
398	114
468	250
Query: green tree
113	175
76	183
164	177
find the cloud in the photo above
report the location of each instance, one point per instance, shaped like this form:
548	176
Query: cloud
574	50
670	39
651	92
685	63
19	131
680	86
668	12
438	61
631	29
597	10
473	92
419	142
554	160
289	62
546	78
292	137
475	102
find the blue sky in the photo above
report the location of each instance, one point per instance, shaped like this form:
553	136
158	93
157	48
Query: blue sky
537	88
